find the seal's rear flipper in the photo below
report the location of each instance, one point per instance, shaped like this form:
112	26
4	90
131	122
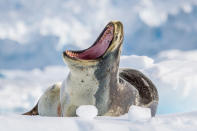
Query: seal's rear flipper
147	90
33	111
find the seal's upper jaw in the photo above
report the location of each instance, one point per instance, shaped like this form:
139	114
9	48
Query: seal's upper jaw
109	40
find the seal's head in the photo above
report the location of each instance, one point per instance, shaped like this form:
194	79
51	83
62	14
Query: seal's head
109	42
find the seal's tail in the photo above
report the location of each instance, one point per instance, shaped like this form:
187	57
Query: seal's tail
33	111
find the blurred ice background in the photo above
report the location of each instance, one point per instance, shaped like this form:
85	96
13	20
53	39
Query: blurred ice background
160	40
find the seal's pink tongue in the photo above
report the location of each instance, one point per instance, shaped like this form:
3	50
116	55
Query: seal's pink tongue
100	47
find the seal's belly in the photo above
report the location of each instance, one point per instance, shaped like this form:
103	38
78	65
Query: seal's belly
82	98
80	91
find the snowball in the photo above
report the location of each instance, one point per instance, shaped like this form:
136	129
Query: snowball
137	113
87	111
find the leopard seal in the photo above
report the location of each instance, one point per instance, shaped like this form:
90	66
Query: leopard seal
96	79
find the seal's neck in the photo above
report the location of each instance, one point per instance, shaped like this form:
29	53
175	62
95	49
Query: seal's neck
100	79
107	75
83	77
105	70
96	80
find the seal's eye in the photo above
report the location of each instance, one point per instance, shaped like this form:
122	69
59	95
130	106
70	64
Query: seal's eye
98	48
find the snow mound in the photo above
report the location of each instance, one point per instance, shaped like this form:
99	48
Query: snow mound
137	113
87	111
173	122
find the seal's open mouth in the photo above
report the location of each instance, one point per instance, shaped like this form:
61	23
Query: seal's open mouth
99	47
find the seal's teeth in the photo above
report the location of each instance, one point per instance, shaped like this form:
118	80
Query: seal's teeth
72	54
68	53
75	54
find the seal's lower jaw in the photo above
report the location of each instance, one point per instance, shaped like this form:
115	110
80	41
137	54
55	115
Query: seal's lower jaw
109	40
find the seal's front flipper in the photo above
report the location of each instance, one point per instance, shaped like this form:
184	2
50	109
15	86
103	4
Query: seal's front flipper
49	103
33	111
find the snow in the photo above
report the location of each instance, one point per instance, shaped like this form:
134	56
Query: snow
137	113
87	111
179	122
